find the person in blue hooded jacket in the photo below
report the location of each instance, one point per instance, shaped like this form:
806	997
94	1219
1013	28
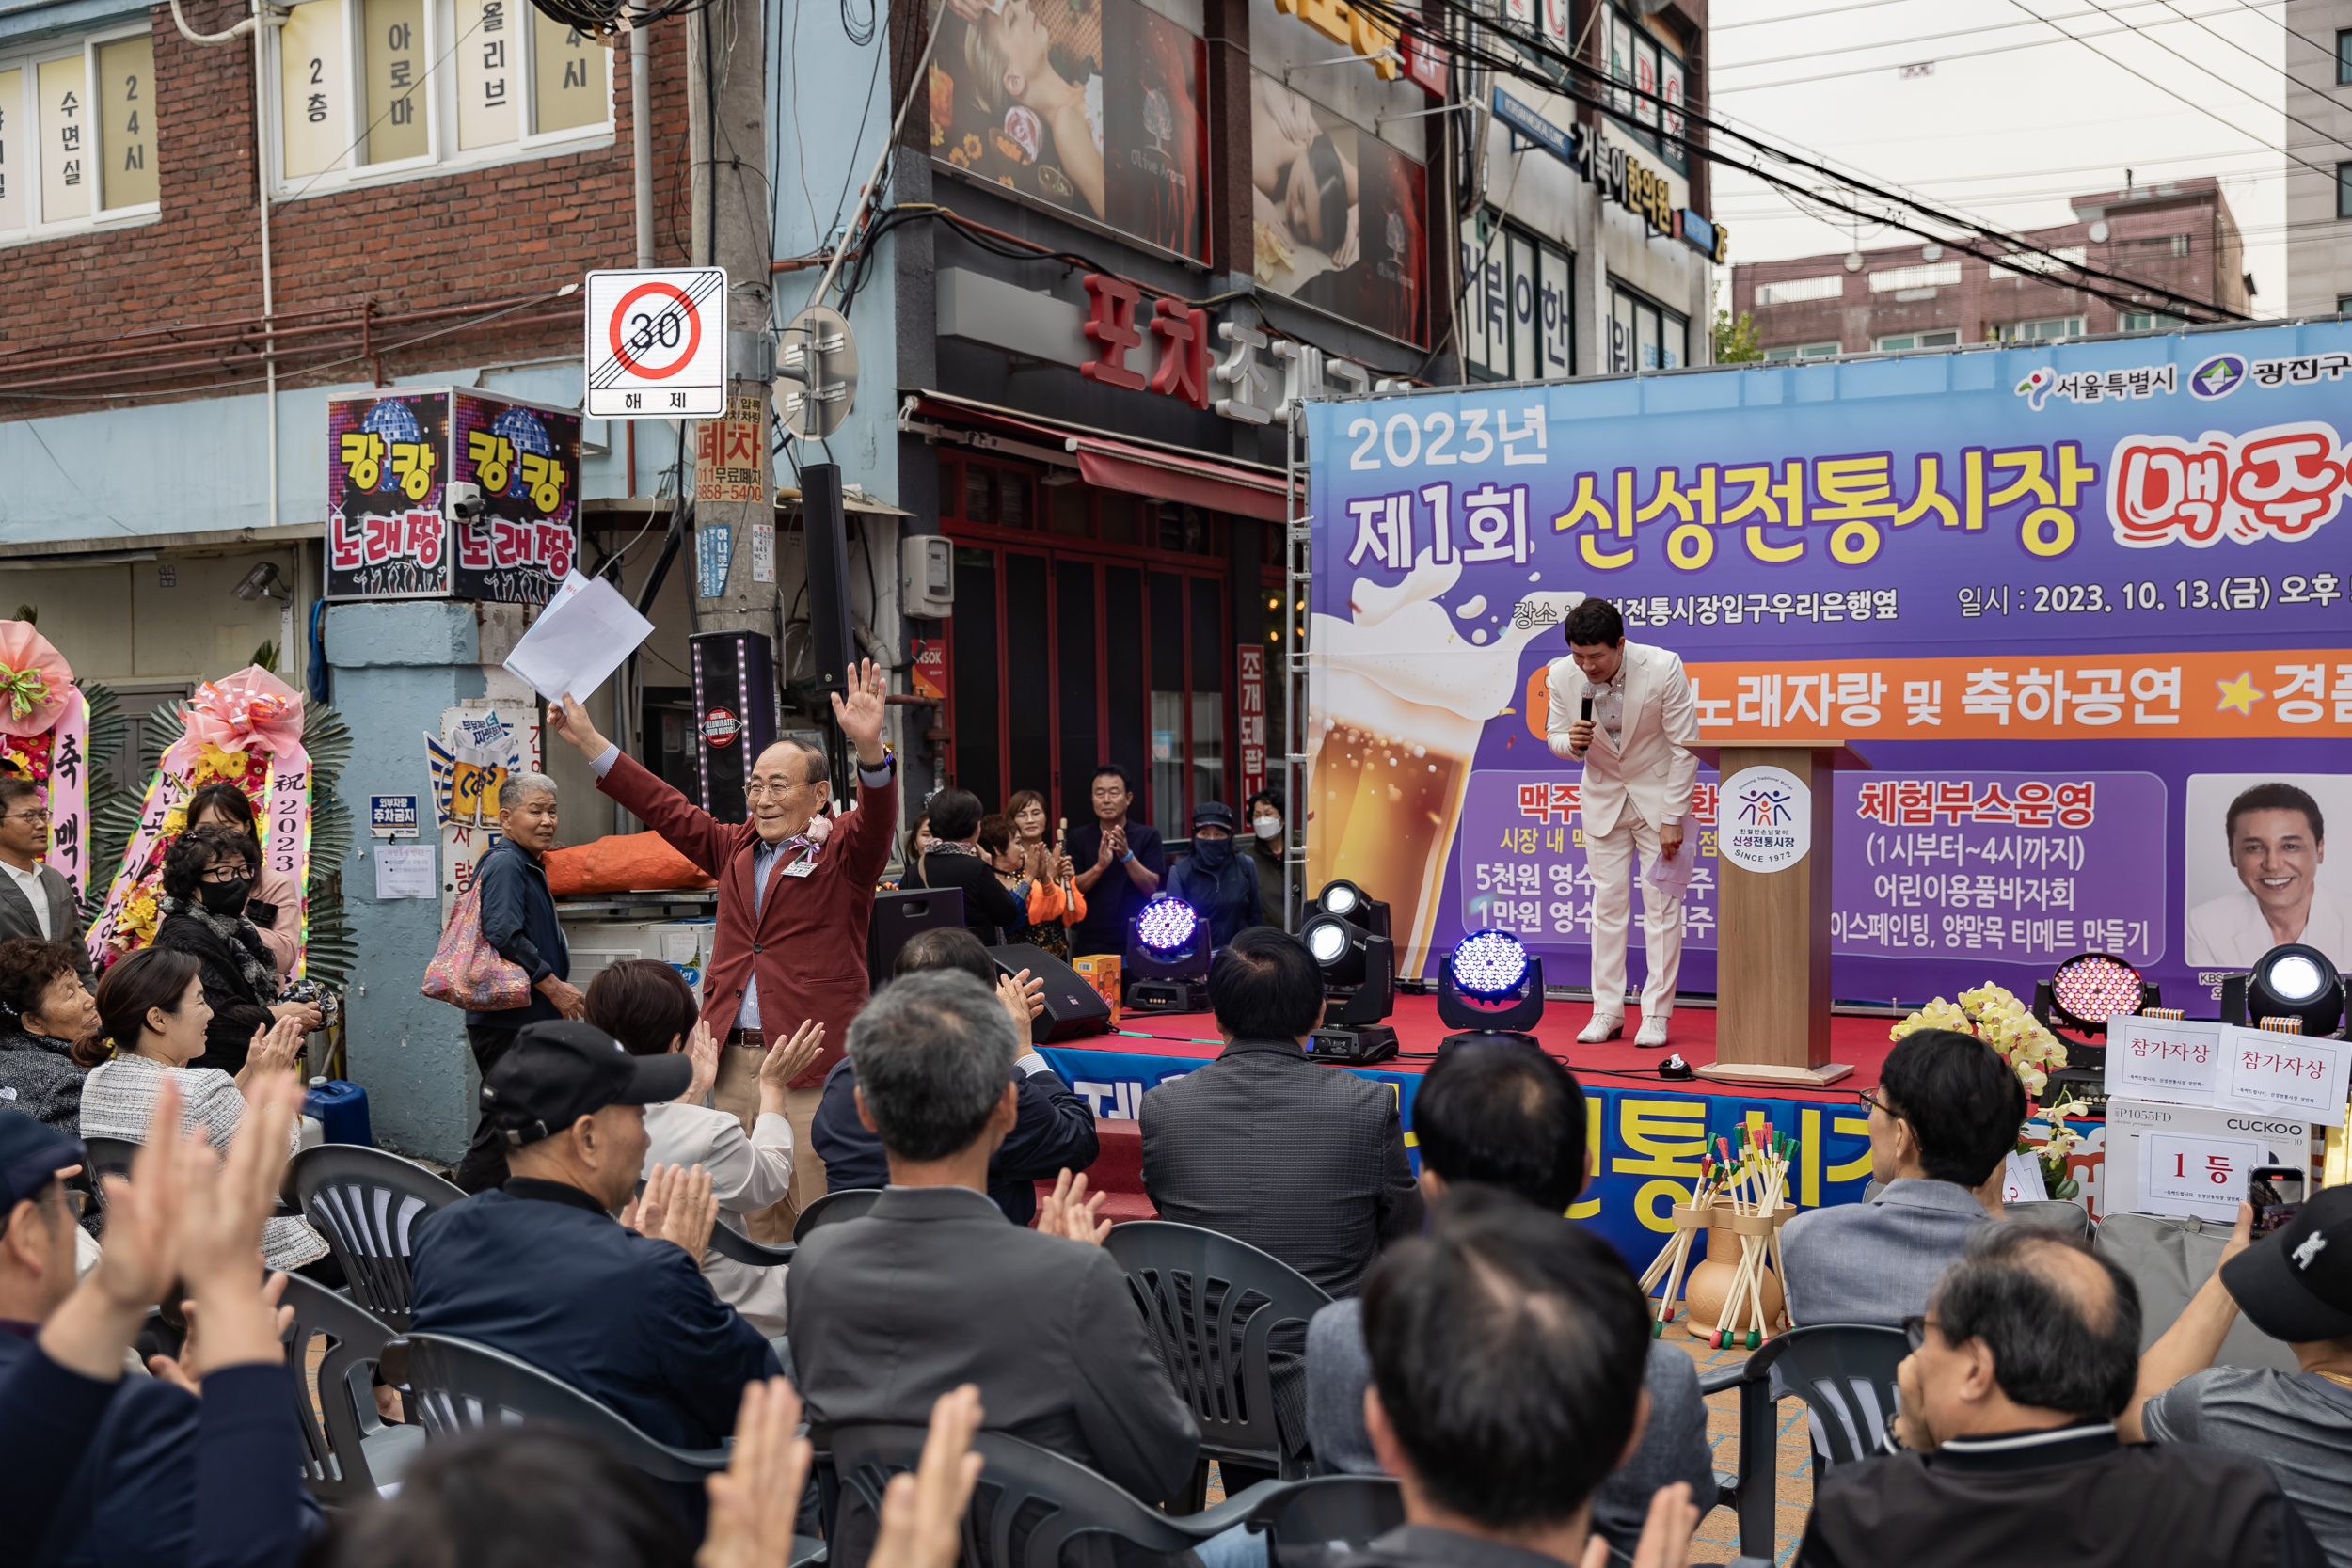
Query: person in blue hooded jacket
1221	884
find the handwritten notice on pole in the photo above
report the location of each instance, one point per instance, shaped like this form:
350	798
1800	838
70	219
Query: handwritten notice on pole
2174	1061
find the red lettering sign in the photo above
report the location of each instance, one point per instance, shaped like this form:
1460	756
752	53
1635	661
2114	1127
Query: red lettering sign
1111	329
1183	369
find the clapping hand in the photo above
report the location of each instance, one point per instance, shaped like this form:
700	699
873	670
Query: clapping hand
922	1514
1665	1534
91	1331
702	1049
787	1061
1023	999
860	715
220	1233
187	1367
753	1504
675	1206
1069	1212
275	1048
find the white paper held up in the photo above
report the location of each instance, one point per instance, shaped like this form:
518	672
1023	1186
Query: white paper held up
579	640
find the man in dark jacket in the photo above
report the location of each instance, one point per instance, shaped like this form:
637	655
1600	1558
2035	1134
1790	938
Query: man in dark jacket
1121	863
2027	1353
1219	883
519	919
540	1270
1054	1132
35	901
932	1288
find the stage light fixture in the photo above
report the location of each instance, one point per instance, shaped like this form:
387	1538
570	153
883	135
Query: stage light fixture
2290	981
1340	899
1489	985
2081	994
1354	904
1359	980
1167	957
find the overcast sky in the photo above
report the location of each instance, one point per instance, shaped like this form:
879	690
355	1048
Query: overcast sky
2013	119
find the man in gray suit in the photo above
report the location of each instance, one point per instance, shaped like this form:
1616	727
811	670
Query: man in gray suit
934	1287
1946	1113
35	901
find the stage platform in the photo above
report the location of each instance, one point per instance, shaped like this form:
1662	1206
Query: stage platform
1647	1134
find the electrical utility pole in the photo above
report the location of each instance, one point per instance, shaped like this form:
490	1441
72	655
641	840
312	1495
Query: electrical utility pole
735	493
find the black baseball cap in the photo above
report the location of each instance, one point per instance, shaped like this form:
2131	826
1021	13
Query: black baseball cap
2296	1283
561	1070
32	1153
1212	814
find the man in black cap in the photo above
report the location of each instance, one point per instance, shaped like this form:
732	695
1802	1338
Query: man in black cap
539	1269
1220	885
2296	1284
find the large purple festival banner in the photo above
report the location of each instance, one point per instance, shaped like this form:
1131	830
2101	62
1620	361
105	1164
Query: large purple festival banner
2081	607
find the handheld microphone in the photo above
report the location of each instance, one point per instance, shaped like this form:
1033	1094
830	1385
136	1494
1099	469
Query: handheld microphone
1587	714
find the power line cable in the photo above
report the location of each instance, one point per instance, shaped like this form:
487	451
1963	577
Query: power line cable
1930	38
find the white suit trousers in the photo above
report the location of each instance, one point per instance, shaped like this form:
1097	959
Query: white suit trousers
1609	856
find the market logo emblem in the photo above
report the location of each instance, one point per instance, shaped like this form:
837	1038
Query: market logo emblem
2217	377
720	726
1769	826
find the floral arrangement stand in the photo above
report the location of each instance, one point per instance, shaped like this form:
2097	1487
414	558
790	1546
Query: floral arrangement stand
1994	1015
44	737
245	730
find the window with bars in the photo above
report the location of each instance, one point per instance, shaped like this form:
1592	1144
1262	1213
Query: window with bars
391	88
77	134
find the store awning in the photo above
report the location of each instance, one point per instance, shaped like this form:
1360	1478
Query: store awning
1162	473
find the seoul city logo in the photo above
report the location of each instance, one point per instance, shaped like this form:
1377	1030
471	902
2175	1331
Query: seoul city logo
2217	377
1764	808
2037	387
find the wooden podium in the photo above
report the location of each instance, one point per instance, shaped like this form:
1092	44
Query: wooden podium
1772	941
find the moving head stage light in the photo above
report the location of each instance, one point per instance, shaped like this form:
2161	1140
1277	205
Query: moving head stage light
2289	982
1167	957
1489	985
1359	979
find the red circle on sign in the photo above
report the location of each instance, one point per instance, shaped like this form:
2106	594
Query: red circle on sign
693	324
720	726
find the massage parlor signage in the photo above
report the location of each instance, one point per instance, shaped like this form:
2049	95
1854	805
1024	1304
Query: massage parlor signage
389	462
2073	602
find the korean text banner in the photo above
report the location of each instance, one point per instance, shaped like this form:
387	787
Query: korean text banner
2082	607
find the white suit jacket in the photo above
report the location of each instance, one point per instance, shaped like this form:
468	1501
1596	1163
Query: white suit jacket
1649	764
746	1176
2232	932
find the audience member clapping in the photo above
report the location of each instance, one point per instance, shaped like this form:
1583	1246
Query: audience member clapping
933	1288
2019	1368
649	1009
540	1270
1054	1131
1503	1116
2295	1286
49	1037
153	1011
208	878
99	1463
1508	1352
1943	1118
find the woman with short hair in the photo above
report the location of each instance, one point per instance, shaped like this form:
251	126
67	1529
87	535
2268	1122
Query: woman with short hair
649	1007
208	879
52	1026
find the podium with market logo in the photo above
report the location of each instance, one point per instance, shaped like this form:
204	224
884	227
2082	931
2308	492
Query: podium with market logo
1773	835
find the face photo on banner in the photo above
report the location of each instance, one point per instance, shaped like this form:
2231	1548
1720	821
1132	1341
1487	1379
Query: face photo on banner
2267	881
1335	212
1018	99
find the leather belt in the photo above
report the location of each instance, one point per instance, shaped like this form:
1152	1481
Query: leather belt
751	1037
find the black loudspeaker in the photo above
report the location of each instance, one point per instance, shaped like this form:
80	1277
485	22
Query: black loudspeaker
734	714
832	633
1073	1008
900	918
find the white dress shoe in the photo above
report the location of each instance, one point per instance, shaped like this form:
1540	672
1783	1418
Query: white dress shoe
1603	1027
1653	1033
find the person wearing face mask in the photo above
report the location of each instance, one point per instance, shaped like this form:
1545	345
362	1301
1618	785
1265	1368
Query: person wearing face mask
208	877
1267	845
276	904
1220	883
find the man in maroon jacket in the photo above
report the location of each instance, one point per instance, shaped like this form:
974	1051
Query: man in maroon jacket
793	906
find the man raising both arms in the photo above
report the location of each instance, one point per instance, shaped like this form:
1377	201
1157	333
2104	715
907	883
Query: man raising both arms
796	895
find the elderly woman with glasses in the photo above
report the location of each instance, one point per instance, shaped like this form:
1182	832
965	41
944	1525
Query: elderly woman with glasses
519	919
208	879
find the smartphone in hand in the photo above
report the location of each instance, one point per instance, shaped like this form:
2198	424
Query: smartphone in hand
2277	1193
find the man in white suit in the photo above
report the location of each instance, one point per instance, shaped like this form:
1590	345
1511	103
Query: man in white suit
1638	776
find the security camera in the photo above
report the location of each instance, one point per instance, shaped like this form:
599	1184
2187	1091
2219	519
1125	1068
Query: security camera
463	503
260	581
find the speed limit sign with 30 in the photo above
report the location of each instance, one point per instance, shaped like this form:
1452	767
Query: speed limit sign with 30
658	345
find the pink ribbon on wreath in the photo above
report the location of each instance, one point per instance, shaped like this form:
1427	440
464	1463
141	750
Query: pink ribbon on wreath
249	710
35	681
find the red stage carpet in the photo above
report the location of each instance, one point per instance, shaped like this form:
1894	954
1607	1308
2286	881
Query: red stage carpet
1860	1042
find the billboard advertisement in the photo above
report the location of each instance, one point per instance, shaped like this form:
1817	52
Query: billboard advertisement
1017	97
390	459
2081	608
1336	214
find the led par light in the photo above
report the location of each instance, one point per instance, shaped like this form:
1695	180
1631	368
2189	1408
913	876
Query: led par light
1167	957
1489	985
